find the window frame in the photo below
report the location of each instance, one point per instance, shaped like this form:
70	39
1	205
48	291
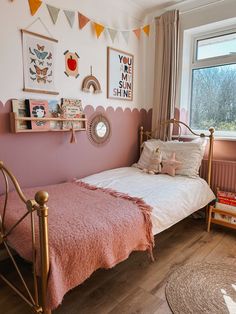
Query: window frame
205	63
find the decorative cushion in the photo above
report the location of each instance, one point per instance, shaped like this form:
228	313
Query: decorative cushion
170	165
145	157
190	154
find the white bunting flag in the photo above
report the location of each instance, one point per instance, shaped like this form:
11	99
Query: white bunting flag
54	12
112	34
70	15
126	36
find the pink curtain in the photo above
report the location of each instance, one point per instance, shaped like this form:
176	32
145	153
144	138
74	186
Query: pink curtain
166	72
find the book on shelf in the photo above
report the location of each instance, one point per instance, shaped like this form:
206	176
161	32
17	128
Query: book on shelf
226	195
21	109
225	218
226	201
39	109
229	208
54	112
72	109
228	198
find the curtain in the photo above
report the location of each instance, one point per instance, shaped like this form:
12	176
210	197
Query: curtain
166	72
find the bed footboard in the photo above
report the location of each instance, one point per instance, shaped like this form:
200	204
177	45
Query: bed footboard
36	300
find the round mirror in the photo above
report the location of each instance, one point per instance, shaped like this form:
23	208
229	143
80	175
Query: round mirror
99	130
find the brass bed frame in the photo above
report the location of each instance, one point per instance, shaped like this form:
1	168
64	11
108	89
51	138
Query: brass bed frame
37	300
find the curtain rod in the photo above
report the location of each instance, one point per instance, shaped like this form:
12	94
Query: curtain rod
197	8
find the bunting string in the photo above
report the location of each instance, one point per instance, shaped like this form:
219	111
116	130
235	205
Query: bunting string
83	20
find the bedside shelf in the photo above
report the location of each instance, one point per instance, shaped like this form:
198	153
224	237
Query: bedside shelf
14	125
212	210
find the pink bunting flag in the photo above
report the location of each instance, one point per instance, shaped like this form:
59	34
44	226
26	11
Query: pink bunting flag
137	32
83	20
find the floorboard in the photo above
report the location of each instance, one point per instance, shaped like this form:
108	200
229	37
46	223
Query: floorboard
136	285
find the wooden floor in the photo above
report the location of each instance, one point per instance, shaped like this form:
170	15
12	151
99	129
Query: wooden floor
136	285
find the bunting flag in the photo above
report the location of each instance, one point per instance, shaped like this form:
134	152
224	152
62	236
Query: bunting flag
112	33
70	15
125	34
54	12
83	20
99	28
146	29
34	6
137	32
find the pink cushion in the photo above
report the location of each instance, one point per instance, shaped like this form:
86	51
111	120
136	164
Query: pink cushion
169	166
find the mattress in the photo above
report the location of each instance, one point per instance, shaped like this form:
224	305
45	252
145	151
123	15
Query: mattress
171	198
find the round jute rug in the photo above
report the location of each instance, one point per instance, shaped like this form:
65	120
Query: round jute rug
202	288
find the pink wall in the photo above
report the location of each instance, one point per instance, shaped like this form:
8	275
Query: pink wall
223	149
45	158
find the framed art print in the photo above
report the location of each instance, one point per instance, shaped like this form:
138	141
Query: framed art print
39	54
120	74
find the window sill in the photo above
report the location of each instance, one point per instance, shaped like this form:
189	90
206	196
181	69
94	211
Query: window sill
216	137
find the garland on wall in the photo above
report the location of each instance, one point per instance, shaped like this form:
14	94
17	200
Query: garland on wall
83	20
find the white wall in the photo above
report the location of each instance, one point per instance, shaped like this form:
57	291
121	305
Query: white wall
92	51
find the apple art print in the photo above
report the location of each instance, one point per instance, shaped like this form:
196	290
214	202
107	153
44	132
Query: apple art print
120	70
71	64
39	63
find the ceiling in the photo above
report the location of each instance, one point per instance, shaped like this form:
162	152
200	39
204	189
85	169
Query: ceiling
149	6
157	4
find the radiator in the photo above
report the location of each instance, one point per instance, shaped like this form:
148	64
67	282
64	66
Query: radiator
223	174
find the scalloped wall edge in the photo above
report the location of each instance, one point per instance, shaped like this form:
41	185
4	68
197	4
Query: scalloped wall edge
87	108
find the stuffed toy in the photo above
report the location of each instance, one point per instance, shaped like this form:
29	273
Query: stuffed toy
155	162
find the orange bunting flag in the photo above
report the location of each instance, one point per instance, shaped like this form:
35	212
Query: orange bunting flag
146	29
34	6
98	29
83	20
137	32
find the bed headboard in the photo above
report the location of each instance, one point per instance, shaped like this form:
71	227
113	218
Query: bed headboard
146	135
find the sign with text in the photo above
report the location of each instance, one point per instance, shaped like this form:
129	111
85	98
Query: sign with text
120	70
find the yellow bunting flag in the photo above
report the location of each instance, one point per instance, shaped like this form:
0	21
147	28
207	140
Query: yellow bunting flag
137	32
146	29
34	6
98	29
83	20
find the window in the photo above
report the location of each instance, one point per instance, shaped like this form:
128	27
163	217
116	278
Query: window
212	92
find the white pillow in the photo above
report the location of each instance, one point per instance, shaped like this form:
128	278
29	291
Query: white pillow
190	154
145	157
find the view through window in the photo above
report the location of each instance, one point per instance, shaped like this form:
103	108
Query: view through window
213	92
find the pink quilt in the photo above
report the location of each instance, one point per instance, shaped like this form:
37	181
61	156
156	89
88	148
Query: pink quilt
89	228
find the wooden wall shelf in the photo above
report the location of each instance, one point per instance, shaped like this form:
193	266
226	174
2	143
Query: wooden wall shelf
14	119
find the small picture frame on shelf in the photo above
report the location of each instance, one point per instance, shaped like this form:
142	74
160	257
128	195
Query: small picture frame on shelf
72	109
39	109
20	108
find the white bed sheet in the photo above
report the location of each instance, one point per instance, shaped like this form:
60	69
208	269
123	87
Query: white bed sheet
171	198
